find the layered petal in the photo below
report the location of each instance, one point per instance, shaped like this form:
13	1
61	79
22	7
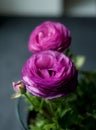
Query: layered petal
49	74
49	36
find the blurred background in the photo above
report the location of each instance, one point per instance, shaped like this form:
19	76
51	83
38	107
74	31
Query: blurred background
48	7
17	19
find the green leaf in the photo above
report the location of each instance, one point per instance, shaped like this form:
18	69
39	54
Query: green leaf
65	111
49	126
79	61
16	95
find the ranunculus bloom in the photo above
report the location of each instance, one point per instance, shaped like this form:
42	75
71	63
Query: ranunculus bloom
49	74
49	36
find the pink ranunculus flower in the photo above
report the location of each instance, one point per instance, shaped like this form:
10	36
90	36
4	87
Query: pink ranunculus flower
49	74
49	36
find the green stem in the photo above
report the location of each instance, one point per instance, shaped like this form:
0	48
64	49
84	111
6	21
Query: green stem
41	104
50	106
28	98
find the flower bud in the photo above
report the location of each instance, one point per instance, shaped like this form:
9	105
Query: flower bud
20	89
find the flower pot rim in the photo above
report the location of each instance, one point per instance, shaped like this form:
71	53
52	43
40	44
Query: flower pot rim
19	115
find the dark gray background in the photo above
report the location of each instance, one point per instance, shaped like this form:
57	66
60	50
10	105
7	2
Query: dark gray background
14	34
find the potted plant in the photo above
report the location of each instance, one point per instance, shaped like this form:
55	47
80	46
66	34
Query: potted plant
58	94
